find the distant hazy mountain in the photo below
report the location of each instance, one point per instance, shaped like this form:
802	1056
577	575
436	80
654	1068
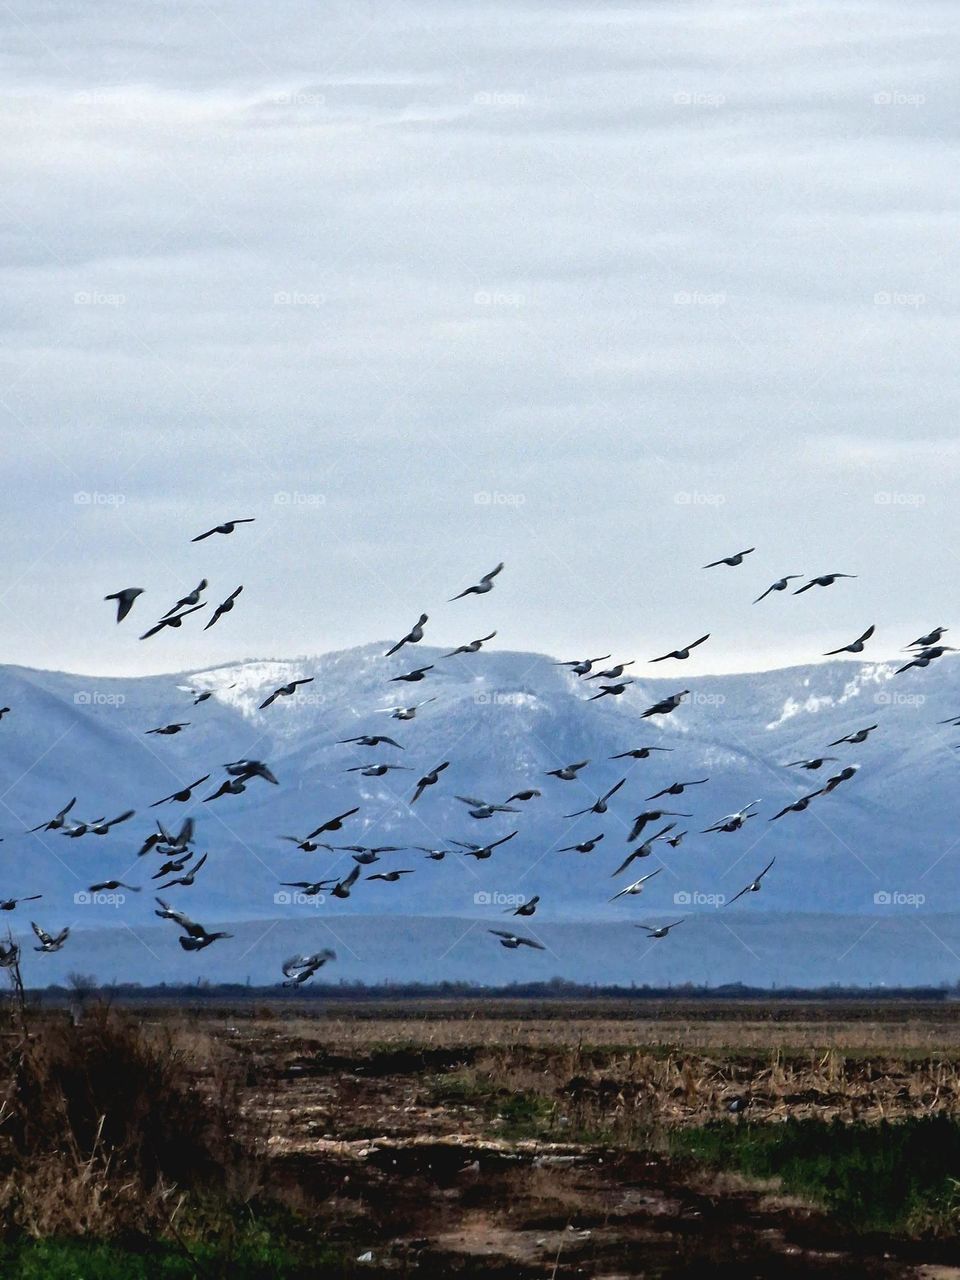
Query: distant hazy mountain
880	851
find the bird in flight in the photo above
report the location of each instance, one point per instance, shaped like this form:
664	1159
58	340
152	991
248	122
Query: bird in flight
9	904
528	793
585	846
300	969
333	824
247	769
57	821
732	561
49	942
815	762
924	657
473	647
188	877
637	886
931	638
227	527
661	931
223	608
798	806
514	940
611	690
651	815
429	780
482	851
524	908
568	772
285	691
482	587
342	888
854	739
183	795
665	705
483	808
411	677
642	850
600	804
682	654
638	753
733	821
391	877
754	885
108	886
407	713
855	646
371	740
168	730
191	598
825	580
677	788
844	775
779	585
377	770
413	636
612	673
175	620
125	599
582	666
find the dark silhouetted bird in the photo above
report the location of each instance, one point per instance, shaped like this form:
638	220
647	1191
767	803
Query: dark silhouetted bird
227	527
482	587
125	599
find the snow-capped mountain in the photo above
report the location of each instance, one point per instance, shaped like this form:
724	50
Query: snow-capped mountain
882	845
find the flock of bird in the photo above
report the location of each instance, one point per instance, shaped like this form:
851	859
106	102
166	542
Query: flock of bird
179	863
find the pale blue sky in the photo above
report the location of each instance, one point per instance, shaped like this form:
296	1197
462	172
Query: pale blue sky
602	291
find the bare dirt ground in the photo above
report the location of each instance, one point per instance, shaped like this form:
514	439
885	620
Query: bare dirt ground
529	1143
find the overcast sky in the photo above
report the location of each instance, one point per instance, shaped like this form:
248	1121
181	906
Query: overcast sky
603	291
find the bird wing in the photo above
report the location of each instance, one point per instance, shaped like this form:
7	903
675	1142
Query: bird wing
489	577
614	789
766	869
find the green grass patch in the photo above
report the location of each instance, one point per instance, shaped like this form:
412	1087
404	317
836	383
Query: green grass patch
897	1177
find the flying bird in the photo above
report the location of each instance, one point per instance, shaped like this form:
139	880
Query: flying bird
677	788
582	666
600	804
733	821
108	886
482	851
825	580
754	885
175	620
637	886
342	888
334	824
183	795
413	636
855	646
300	969
187	878
407	713
854	739
377	770
391	877
482	587
473	647
638	753
665	705
285	691
247	769
643	850
49	942
168	729
429	780
844	775
372	740
223	608
411	677
611	690
9	904
931	638
57	821
525	908
227	527
732	561
191	598
568	772
585	846
815	762
529	793
125	599
483	808
925	657
651	815
612	673
779	585
798	806
513	940
682	654
661	931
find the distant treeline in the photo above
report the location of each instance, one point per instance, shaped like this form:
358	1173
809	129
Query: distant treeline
555	989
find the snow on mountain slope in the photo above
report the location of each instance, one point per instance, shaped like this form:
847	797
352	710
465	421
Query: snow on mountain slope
502	719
